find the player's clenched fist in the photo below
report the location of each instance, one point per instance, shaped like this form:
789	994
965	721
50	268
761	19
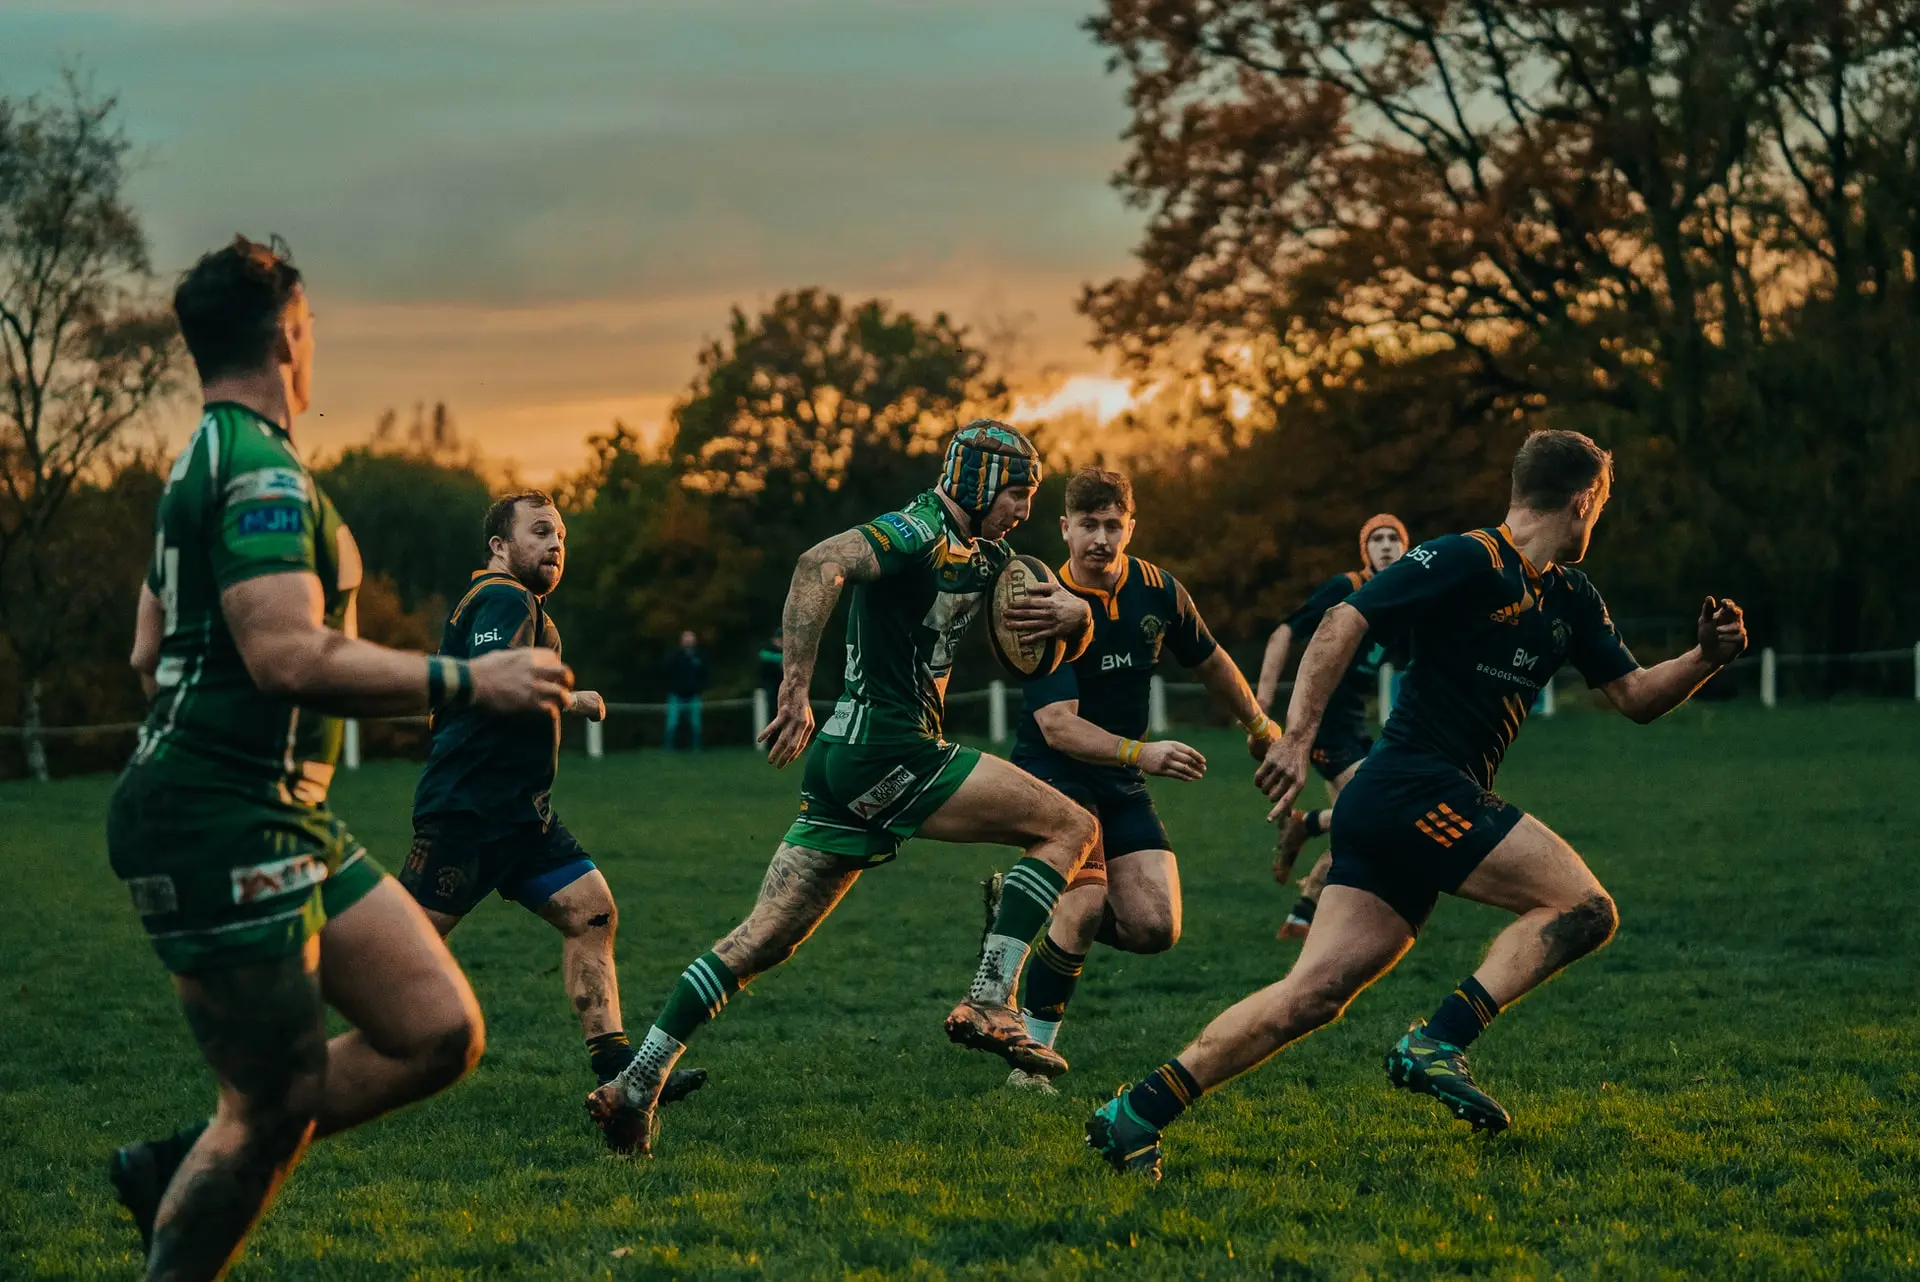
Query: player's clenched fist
522	680
1723	631
1170	759
1282	773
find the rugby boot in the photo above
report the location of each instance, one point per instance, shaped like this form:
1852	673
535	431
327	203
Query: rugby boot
1000	1030
682	1082
1129	1145
628	1128
1299	920
140	1173
1292	840
1021	1080
1428	1066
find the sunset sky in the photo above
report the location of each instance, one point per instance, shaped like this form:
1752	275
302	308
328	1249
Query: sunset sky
536	212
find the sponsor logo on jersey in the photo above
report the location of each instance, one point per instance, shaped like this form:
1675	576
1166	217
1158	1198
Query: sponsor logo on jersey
1562	635
1512	613
281	877
909	527
1521	659
268	483
879	536
883	794
1421	556
273	520
1109	662
1153	626
481	638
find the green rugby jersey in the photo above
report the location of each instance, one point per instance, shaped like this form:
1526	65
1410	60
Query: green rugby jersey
903	628
239	504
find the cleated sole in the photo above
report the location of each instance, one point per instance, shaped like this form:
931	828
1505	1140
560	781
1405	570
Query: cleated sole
1101	1139
682	1082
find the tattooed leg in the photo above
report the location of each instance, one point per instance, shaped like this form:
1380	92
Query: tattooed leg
262	1029
416	1025
801	887
584	914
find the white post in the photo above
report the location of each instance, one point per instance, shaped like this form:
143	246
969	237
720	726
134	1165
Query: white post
350	745
1386	691
997	711
1546	698
1768	663
761	713
1916	671
1157	705
596	739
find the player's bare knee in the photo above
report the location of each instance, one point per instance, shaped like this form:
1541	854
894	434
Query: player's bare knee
1153	936
596	916
449	1051
1072	836
1585	926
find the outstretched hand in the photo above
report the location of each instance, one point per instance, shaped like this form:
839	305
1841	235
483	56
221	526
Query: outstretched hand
1170	759
1282	774
1723	631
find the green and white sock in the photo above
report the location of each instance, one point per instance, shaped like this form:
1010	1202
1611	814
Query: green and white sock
699	995
1031	890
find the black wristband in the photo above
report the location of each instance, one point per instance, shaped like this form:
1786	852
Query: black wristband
449	682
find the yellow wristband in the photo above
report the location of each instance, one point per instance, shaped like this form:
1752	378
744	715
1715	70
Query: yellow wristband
1258	726
1129	752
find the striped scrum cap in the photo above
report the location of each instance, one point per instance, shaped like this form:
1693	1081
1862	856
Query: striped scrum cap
984	458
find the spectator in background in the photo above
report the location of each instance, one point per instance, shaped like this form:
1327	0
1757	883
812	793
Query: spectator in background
773	658
686	682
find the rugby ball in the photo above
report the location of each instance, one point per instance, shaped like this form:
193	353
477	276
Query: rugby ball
1017	654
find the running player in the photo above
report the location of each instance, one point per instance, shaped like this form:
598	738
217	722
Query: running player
1491	614
1083	730
881	772
482	814
257	899
1343	740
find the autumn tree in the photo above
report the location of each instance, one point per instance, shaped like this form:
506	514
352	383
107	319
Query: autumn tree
84	351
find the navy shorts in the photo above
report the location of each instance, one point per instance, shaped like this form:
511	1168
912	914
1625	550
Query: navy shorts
458	860
1129	823
1411	829
1334	754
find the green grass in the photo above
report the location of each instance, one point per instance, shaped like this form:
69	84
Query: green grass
1729	1089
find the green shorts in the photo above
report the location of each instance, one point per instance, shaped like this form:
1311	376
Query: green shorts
224	876
863	800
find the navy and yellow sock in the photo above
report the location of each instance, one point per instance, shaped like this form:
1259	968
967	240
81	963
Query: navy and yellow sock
1163	1094
1463	1015
609	1053
1051	979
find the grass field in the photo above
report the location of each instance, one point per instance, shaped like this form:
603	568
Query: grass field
1730	1089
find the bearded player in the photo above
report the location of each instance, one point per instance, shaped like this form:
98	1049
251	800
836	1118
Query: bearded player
1343	741
1084	731
882	773
1491	615
256	898
483	817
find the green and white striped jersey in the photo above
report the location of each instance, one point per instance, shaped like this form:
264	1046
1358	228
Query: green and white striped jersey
903	628
239	503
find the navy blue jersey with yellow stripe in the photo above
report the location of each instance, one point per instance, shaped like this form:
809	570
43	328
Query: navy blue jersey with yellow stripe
483	763
1147	610
1346	714
1486	630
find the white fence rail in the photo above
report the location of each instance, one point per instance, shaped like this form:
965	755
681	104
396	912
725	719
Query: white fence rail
997	696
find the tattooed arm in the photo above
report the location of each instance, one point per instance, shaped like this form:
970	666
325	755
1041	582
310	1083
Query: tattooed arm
822	571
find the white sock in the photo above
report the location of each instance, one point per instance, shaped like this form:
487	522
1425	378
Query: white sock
640	1081
1040	1030
1000	963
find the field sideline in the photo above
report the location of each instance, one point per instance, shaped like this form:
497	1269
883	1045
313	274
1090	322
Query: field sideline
1732	1088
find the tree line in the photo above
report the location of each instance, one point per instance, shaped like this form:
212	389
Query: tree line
1383	240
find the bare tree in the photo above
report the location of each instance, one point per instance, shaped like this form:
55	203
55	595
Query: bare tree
84	351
